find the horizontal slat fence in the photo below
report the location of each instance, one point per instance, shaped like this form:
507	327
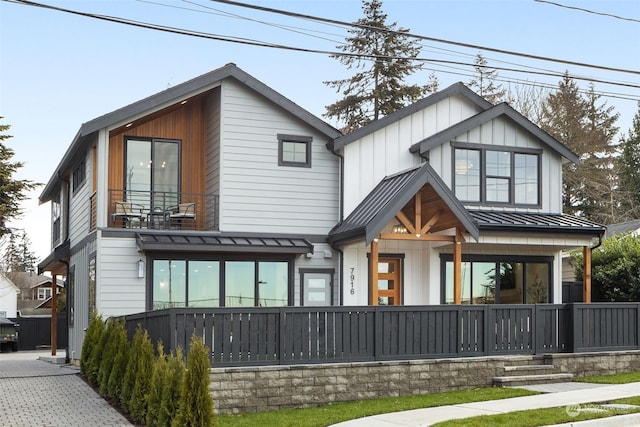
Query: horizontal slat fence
297	335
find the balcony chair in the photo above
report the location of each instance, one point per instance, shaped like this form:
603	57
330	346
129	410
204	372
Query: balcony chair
128	213
184	211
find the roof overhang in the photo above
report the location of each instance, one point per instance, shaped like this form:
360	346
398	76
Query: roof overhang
57	262
500	110
515	222
389	197
222	242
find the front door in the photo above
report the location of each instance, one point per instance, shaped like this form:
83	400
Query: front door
389	280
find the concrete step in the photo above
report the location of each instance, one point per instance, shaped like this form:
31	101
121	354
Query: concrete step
528	370
518	380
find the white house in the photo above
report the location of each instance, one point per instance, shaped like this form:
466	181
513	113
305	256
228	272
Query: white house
8	298
222	192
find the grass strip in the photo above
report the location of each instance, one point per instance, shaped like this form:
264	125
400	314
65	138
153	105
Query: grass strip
321	416
621	378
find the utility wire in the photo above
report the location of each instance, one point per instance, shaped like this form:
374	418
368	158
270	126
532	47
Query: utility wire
246	41
418	36
588	11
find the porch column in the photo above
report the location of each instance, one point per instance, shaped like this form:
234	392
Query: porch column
374	272
586	274
457	271
54	316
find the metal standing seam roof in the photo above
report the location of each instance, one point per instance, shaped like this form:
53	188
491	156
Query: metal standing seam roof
473	122
223	242
388	198
530	222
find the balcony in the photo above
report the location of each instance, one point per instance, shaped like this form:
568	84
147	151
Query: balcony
162	210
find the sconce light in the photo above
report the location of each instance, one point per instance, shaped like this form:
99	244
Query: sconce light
399	229
140	269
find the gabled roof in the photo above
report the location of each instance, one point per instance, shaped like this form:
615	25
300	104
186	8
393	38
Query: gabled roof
622	228
455	89
502	109
173	95
536	222
223	242
388	198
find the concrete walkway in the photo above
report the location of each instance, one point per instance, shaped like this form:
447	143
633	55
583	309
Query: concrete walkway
38	390
574	396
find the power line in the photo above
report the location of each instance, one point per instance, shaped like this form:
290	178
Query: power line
258	43
418	36
588	11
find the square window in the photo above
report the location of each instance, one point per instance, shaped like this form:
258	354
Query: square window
294	151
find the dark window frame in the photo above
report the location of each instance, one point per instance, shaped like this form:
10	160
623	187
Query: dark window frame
297	139
497	259
221	258
79	175
483	149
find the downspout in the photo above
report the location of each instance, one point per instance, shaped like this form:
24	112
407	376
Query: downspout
341	215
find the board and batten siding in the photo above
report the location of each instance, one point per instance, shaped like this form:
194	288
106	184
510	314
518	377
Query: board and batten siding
386	151
79	265
119	291
503	132
257	195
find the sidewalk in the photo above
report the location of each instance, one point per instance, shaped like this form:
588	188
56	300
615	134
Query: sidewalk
48	392
571	395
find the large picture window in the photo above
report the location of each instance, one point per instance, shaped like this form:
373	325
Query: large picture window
222	282
500	280
152	172
496	176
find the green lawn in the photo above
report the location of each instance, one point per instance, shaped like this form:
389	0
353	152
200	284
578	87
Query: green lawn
623	378
338	412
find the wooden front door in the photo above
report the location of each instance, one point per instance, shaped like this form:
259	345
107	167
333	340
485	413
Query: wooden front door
389	281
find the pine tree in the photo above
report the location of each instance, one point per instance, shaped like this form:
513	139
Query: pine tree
196	405
12	191
484	82
383	55
588	130
628	168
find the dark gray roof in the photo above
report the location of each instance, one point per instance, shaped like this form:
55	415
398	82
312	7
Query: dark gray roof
222	242
535	222
622	227
176	94
473	122
388	198
455	89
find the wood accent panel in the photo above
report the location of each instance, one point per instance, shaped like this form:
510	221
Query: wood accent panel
431	206
185	123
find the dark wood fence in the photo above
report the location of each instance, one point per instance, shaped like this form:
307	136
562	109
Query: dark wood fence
35	332
295	335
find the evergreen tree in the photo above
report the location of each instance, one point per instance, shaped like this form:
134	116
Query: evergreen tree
142	384
90	344
628	167
129	379
172	392
484	82
120	343
588	130
12	191
383	56
196	405
158	383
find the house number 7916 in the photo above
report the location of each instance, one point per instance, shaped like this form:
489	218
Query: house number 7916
352	279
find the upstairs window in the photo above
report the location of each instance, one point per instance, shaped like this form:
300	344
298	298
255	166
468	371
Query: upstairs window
294	150
496	176
79	175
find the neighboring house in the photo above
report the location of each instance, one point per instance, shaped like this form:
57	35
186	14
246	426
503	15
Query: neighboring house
221	192
632	227
8	298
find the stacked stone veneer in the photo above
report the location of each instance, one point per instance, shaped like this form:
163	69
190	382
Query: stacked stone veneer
252	389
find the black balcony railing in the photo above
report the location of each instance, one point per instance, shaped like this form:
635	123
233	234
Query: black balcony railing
162	210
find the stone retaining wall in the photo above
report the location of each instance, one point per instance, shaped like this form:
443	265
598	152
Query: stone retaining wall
253	389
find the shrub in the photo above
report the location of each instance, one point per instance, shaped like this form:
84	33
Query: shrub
120	343
196	405
158	381
172	392
108	354
142	385
130	373
91	339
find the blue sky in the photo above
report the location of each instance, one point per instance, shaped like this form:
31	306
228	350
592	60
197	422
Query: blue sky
58	70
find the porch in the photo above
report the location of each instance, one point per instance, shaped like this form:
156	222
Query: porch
161	210
319	335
